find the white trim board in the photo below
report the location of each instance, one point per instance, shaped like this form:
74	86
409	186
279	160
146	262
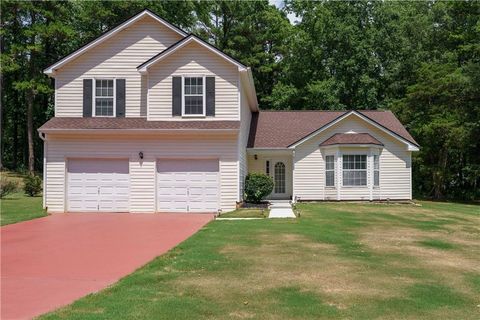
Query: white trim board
51	69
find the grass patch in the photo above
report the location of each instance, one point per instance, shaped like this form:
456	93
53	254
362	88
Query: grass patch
437	244
17	207
246	213
338	261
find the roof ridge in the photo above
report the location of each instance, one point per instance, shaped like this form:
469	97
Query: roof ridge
369	110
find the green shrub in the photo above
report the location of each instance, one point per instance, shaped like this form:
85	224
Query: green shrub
257	187
7	187
32	185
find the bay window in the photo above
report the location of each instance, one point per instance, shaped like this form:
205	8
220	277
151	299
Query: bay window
329	171
376	170
355	170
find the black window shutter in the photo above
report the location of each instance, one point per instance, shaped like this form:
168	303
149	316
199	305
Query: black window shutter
176	96
87	97
120	94
210	98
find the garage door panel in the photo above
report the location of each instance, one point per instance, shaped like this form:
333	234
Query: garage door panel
98	185
187	185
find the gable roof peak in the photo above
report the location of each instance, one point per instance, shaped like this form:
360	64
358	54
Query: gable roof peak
109	33
143	68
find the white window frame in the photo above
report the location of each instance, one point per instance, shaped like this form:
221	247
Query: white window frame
366	170
204	96
376	170
94	96
332	170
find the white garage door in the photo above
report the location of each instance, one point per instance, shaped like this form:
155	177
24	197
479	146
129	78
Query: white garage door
187	185
98	185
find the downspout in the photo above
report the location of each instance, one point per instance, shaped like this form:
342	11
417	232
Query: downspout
44	193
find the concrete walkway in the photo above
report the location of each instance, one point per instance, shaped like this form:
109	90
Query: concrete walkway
281	209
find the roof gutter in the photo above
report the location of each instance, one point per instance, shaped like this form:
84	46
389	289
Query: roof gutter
137	131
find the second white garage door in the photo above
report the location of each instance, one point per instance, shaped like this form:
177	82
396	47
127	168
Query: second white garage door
187	185
98	185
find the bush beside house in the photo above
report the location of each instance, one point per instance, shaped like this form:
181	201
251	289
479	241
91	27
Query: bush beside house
32	185
257	187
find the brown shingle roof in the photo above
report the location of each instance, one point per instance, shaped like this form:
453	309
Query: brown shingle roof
350	138
134	124
280	129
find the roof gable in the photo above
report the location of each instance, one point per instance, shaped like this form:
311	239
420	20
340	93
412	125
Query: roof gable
351	139
267	128
143	68
108	34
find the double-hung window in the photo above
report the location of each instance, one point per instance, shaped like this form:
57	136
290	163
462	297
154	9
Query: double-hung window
104	98
355	170
193	96
376	170
329	171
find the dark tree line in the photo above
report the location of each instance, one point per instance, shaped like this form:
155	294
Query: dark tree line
418	59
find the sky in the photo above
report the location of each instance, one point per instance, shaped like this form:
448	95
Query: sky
279	4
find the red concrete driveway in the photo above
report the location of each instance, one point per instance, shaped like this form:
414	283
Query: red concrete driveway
52	261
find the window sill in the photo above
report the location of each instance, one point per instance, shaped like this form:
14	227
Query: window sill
330	188
357	187
193	116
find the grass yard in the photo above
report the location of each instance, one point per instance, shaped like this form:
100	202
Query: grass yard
247	213
19	207
338	261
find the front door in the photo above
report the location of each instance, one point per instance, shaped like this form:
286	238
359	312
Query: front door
279	178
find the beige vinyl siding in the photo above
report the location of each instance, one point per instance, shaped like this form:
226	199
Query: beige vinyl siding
117	57
245	118
193	59
142	172
395	163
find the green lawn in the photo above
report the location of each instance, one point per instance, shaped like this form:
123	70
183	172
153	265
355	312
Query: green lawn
338	261
19	207
246	213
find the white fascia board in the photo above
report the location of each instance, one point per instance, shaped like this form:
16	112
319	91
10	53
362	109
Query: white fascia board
285	151
51	70
144	68
247	79
410	146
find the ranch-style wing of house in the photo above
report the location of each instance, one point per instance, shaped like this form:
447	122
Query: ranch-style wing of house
149	118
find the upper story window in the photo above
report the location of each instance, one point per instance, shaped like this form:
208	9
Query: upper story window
104	98
329	171
193	96
355	170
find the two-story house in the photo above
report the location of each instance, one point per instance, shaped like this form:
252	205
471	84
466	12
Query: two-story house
149	118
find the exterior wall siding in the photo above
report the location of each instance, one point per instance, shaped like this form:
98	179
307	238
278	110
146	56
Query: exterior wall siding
309	167
117	57
193	59
142	172
246	117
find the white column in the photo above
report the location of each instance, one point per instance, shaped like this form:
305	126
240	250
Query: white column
338	173
370	173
